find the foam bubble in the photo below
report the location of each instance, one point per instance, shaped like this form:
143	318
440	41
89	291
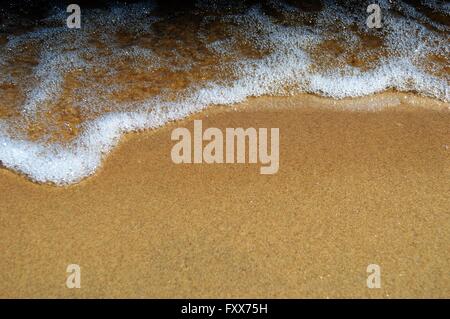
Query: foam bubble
256	55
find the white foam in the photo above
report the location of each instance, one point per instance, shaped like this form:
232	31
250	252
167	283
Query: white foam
287	65
50	76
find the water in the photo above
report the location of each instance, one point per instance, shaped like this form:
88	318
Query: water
67	95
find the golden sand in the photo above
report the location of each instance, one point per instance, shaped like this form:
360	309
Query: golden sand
354	188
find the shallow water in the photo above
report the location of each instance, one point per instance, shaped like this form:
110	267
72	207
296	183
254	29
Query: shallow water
68	94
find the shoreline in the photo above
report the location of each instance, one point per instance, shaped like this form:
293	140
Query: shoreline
353	188
372	103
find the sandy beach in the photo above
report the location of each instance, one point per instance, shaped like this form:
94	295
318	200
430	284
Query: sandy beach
353	188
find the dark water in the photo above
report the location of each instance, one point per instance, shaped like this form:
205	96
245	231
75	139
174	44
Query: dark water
67	94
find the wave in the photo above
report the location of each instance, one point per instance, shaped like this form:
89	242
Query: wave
69	94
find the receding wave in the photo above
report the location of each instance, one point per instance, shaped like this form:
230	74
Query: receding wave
67	95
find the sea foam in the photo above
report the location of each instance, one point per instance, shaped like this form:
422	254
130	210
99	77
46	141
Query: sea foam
280	61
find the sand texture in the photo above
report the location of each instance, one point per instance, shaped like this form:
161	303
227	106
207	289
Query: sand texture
353	188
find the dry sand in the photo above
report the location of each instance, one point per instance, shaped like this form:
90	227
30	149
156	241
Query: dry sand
354	188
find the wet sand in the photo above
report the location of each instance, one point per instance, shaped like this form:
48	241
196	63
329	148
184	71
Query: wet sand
354	188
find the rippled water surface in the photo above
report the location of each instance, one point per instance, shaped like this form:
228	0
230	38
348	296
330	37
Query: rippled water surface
66	95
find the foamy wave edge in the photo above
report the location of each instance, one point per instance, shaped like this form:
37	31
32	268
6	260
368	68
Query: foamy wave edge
65	165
